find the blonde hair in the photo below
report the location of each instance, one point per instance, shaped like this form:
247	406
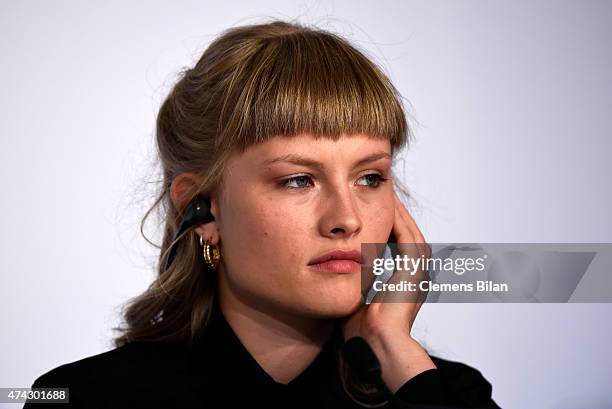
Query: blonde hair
252	83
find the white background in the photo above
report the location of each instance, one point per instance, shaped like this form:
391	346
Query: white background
509	102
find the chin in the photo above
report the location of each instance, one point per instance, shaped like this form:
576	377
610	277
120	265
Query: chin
334	306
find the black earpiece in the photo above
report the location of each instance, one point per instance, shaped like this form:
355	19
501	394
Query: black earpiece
196	212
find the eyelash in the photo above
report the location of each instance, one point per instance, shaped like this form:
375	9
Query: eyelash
284	183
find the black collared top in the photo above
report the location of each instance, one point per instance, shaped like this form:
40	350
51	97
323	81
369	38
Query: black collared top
217	371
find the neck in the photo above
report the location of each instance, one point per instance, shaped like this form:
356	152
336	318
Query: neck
283	344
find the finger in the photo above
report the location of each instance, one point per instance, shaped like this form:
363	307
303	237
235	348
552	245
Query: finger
401	228
405	214
425	249
408	276
412	239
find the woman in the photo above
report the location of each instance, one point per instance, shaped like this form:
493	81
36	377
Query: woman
290	133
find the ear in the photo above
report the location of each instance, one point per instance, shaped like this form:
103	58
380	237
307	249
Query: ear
210	230
183	187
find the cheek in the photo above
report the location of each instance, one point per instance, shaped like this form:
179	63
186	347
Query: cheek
378	221
278	234
260	239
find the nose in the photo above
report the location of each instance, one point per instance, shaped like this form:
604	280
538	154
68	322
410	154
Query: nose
341	214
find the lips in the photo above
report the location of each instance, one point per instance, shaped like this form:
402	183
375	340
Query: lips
338	254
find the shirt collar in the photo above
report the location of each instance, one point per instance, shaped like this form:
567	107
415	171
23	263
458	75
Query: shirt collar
219	355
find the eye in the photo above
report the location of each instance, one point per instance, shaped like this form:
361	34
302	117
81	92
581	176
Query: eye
373	180
298	179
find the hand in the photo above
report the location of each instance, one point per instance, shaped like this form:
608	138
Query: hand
386	326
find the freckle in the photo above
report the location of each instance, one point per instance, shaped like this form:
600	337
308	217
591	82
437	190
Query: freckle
265	234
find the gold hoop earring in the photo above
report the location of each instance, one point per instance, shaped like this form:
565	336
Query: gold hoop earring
212	254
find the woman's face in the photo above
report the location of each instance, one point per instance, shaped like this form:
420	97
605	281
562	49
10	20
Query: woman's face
290	200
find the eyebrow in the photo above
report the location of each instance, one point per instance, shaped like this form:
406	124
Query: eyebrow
298	159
